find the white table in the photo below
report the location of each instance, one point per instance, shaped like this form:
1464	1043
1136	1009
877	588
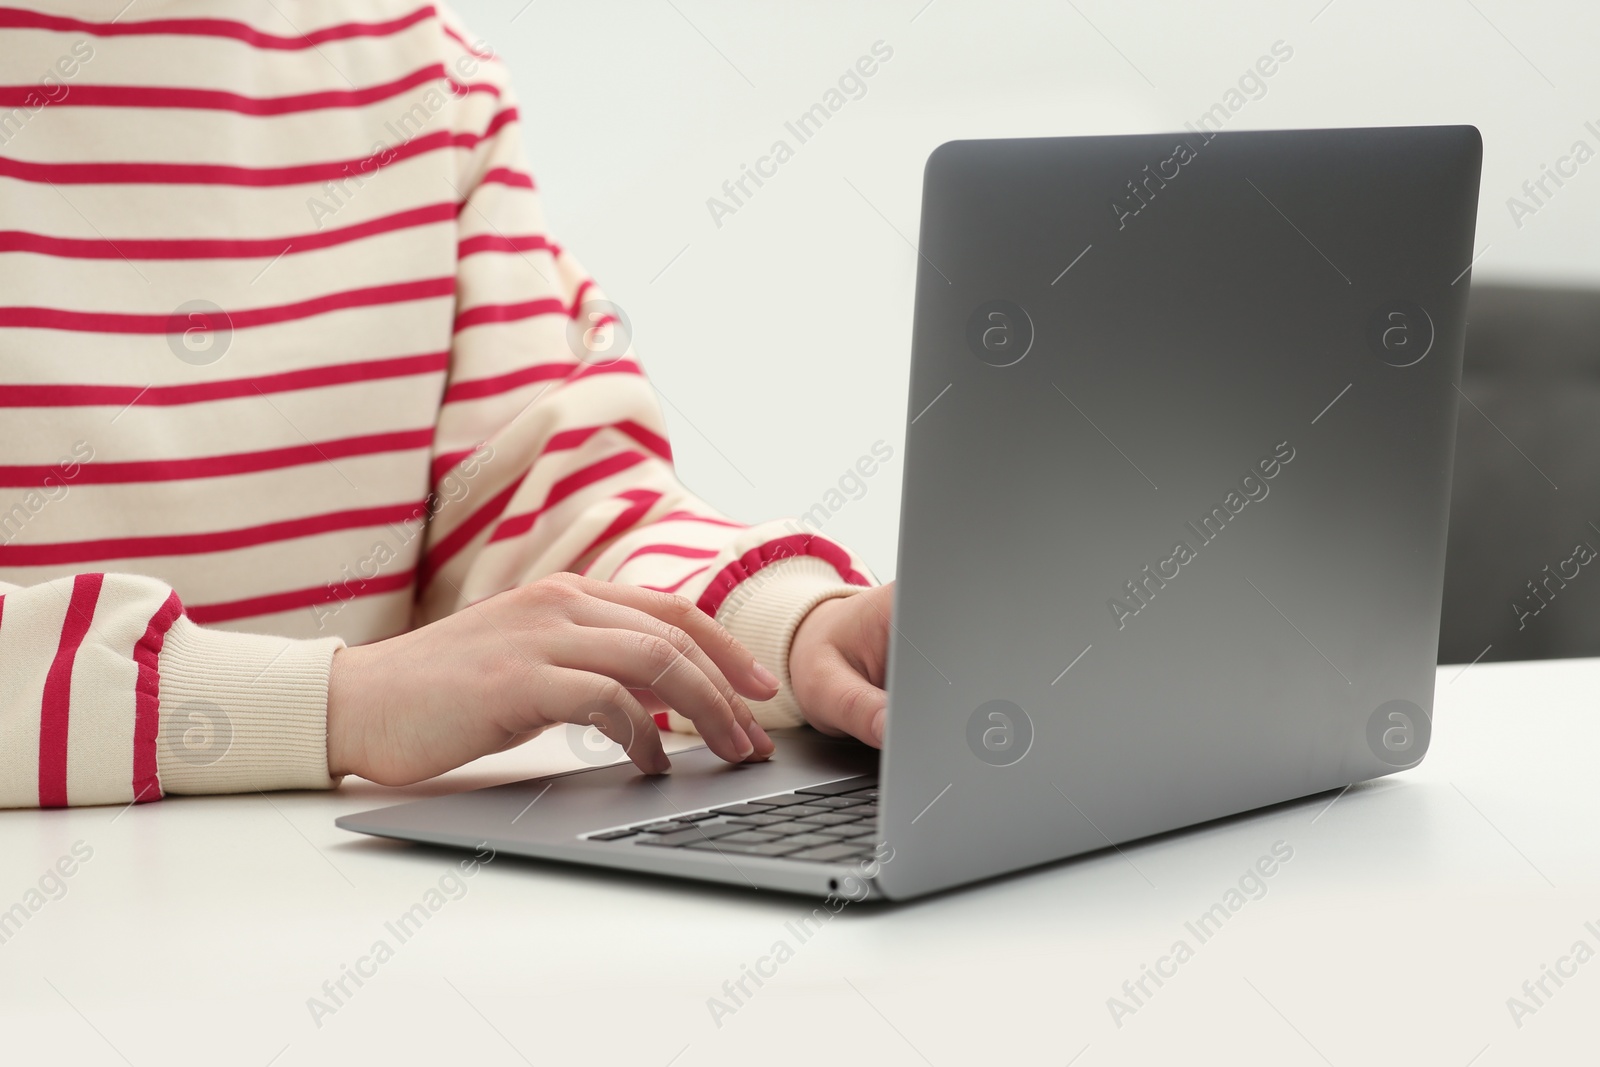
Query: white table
1411	910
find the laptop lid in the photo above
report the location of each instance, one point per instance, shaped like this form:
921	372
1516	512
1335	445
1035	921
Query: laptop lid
1181	418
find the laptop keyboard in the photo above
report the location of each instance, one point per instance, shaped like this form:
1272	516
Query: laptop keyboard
830	823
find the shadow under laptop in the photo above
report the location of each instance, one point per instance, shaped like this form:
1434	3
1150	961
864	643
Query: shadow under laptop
1153	873
1167	869
563	876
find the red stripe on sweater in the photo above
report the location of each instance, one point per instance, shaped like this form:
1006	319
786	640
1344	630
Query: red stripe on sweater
273	603
462	41
640	503
517	525
445	462
572	438
457	539
507	176
492	313
13	18
452	543
681	551
647	437
561	441
564	440
112	322
175	470
764	555
478	388
591	370
689	516
471	246
121	396
502	118
147	700
243	248
98	173
56	707
155	96
585	371
74	552
679	584
495	507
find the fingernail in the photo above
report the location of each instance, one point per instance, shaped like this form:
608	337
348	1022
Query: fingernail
877	726
766	677
759	736
742	743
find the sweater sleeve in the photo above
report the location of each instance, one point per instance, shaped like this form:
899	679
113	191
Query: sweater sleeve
110	694
551	452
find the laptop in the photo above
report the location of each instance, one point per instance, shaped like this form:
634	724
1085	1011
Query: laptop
1177	466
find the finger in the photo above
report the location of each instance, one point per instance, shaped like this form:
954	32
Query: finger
848	703
586	699
642	660
658	707
735	661
596	612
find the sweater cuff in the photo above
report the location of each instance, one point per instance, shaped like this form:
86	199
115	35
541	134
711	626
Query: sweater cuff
242	712
763	612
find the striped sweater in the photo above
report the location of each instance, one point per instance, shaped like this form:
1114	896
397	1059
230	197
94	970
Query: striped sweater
288	359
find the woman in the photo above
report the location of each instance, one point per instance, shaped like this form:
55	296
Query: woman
320	457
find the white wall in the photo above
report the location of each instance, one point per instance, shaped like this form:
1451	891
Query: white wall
781	337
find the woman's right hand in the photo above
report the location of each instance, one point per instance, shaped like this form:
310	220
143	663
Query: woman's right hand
564	649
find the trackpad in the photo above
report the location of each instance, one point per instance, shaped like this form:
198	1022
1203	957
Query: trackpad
554	810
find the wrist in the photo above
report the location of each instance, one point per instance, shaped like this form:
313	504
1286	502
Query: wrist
344	698
765	613
814	627
812	636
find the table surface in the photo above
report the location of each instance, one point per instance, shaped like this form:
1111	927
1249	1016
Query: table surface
203	931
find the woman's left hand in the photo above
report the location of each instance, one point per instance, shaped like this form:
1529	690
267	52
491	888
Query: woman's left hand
838	662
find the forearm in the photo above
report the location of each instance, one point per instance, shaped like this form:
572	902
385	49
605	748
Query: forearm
110	694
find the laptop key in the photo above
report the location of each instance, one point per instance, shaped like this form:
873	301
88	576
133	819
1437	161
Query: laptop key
748	837
866	794
796	810
833	789
699	816
786	828
684	837
613	835
665	827
866	811
742	809
830	818
837	802
741	848
783	800
838	833
761	819
826	853
809	840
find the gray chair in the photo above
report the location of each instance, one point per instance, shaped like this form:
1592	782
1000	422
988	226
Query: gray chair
1526	493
